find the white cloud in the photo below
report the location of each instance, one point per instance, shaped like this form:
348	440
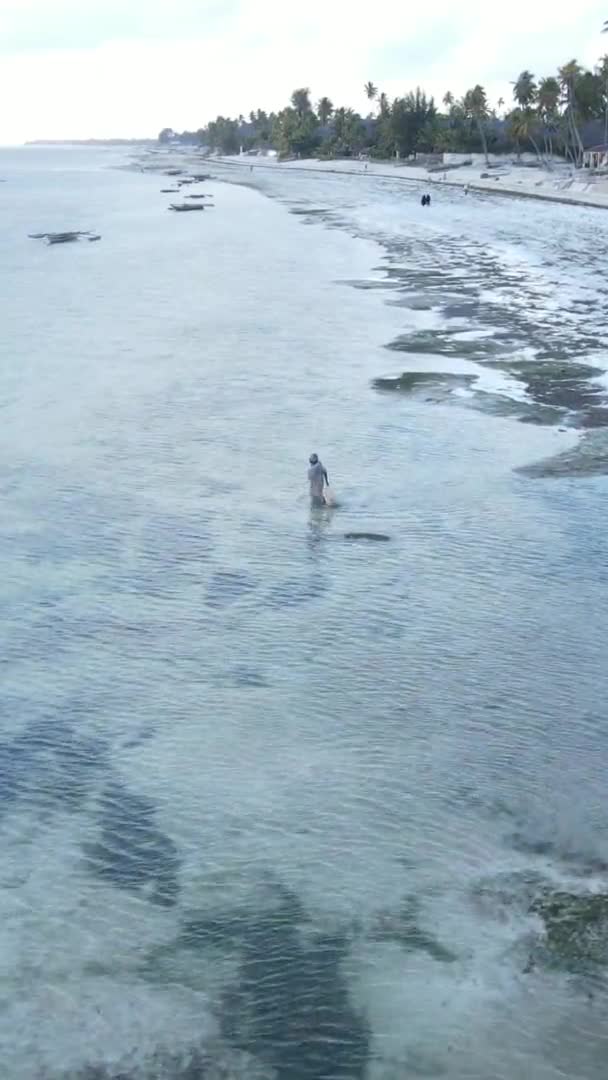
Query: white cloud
130	68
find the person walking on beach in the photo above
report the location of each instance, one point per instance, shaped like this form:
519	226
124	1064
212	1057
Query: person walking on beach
317	479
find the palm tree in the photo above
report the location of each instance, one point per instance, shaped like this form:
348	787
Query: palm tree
547	102
514	129
371	91
602	71
324	110
524	89
521	125
475	105
383	104
548	94
300	100
500	102
349	133
568	77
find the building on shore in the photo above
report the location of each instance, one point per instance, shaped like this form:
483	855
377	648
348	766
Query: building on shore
596	157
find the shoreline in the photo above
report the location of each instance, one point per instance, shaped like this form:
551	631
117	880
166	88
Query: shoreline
580	446
465	177
468	178
512	181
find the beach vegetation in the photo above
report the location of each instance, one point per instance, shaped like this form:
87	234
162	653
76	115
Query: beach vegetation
554	114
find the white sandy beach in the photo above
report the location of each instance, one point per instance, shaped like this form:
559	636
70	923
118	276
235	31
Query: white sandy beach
561	183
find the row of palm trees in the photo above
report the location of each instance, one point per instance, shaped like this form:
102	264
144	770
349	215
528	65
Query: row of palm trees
473	107
547	114
542	109
548	111
558	106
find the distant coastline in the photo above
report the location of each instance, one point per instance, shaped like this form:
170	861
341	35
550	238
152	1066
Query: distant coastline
90	142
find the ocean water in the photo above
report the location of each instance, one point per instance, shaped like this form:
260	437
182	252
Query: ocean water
275	803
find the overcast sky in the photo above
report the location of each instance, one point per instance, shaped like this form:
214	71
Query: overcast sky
79	68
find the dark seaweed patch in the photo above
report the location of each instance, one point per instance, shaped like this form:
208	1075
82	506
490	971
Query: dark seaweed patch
467	309
413	303
50	762
226	587
131	852
588	458
571	934
214	1062
246	676
292	593
528	412
291	1008
596	417
411	381
173	539
558	385
576	930
369	285
403	928
308	212
450	343
557	393
583	865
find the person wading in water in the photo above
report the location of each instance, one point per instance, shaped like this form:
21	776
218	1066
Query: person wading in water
318	479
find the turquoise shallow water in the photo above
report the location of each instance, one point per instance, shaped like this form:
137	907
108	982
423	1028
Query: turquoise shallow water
270	800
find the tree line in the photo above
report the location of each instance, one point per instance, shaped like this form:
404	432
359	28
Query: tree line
556	114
